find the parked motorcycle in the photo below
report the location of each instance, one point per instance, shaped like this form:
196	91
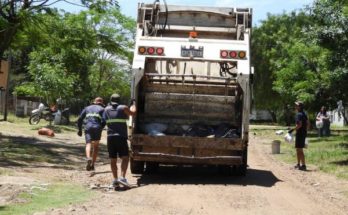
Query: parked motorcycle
50	114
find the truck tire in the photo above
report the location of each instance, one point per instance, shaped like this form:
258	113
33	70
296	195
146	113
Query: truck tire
137	167
151	167
225	170
241	170
243	167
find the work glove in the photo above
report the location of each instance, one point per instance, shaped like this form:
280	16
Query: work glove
291	130
79	133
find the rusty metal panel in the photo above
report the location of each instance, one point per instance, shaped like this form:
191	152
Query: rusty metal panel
190	106
187	89
187	142
212	153
179	159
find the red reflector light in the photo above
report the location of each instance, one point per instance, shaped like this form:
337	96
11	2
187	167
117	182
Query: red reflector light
223	53
150	50
159	51
233	54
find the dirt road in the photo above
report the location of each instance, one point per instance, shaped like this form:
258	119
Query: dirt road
270	187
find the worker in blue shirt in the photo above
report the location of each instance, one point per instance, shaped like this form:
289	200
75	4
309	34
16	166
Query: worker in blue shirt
92	116
116	116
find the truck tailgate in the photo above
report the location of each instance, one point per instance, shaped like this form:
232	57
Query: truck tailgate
186	150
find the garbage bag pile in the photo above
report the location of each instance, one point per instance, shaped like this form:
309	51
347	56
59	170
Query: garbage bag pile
199	129
155	129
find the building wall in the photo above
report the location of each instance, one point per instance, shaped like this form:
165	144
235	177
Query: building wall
337	119
260	115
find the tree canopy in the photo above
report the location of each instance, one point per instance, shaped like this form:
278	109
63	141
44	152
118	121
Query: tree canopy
302	55
69	56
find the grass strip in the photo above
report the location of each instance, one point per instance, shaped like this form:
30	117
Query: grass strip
55	196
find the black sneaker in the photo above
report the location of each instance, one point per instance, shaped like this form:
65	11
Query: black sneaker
297	166
89	165
92	167
303	168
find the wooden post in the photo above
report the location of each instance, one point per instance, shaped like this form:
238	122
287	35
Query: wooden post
5	67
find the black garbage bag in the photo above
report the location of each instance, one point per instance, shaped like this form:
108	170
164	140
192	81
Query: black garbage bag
225	130
199	130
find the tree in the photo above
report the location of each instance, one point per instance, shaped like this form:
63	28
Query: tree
16	14
79	55
330	30
270	48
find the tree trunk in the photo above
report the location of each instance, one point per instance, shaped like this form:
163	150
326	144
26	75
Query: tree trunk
273	115
6	37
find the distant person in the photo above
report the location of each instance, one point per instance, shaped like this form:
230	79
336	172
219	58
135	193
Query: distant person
115	116
323	123
92	116
302	123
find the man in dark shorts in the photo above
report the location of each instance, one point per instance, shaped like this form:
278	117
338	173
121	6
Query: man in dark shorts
115	116
92	115
302	123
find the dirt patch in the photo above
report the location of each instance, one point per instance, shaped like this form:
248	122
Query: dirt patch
270	187
12	186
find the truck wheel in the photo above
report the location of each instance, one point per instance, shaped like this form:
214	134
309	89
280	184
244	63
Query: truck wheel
241	170
137	167
225	170
151	167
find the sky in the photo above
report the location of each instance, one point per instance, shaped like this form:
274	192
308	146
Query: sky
260	7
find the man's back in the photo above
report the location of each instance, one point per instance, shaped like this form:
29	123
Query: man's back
115	118
92	115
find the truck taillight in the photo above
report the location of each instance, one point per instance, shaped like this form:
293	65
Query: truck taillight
241	54
143	50
232	54
223	54
151	50
159	51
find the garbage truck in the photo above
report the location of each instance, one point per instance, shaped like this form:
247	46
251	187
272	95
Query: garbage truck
191	79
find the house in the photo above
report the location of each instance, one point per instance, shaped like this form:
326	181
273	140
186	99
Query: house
336	118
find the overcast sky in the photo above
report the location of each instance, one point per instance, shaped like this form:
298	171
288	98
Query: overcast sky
260	7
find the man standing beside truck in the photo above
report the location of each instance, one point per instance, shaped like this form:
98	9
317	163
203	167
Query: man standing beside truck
115	116
92	115
302	123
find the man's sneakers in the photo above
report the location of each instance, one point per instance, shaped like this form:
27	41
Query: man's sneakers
303	168
89	165
124	182
300	167
115	183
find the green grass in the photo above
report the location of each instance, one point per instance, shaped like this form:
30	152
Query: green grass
4	171
24	122
55	196
329	154
14	151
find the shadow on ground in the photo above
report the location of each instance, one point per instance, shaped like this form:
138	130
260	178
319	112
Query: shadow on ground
32	152
341	163
207	175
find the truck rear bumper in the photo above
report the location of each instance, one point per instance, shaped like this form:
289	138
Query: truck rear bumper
180	159
187	150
